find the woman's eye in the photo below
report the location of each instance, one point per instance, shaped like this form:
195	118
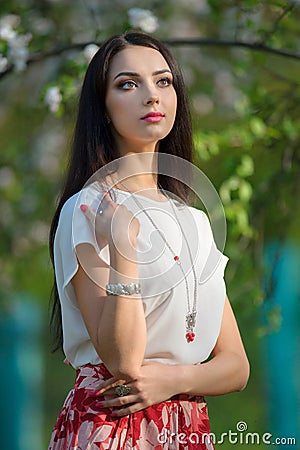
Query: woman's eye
164	82
127	85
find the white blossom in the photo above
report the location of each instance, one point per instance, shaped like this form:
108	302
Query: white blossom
143	19
89	51
3	63
18	52
7	33
11	20
53	98
7	25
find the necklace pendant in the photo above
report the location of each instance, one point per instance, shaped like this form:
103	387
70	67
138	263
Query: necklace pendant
190	322
190	337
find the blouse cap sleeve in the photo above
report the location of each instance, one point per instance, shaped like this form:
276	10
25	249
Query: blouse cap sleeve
75	228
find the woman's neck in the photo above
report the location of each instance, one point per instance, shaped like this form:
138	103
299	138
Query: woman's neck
137	171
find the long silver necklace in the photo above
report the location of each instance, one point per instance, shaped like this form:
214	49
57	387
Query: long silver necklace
190	317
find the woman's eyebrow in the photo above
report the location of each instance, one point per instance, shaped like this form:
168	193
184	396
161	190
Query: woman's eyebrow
135	74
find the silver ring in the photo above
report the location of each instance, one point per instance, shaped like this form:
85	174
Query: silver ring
101	211
122	390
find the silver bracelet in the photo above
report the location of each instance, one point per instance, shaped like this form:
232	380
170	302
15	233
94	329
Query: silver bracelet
123	289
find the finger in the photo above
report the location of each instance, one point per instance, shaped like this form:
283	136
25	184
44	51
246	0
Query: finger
109	384
118	402
110	390
103	205
106	385
106	203
88	211
107	396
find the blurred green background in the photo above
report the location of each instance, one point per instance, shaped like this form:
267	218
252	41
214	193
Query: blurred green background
241	63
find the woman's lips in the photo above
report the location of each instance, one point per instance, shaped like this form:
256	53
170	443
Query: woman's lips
153	117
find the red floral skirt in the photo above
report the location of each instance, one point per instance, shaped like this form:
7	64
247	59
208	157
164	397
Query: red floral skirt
180	423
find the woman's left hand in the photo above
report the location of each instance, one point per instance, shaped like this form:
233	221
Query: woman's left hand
156	383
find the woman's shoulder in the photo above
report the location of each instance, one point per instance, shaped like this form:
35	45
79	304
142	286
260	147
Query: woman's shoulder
87	195
69	204
199	215
203	223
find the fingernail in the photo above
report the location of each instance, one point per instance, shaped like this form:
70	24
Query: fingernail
100	404
83	207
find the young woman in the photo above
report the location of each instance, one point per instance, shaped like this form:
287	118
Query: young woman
135	320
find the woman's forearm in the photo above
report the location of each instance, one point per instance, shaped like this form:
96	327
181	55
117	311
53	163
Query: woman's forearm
226	372
122	329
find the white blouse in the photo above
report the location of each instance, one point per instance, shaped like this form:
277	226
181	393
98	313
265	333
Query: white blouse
163	287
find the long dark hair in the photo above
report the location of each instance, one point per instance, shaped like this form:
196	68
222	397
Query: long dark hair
93	146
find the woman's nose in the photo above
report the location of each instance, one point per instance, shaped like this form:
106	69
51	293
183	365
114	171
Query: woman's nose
152	100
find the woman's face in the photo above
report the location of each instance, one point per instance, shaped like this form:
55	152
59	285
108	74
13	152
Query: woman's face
140	100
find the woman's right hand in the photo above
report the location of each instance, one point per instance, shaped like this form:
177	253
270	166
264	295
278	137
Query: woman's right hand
116	223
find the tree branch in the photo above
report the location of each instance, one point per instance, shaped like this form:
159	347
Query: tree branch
193	42
276	24
254	46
